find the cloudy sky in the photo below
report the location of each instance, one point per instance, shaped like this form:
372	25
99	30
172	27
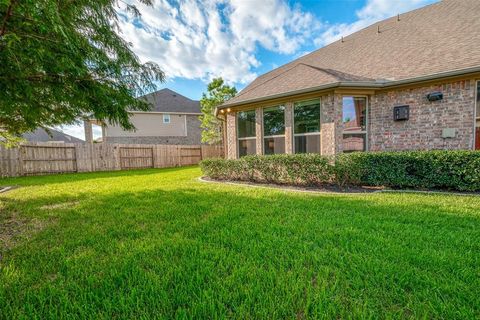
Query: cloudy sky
194	41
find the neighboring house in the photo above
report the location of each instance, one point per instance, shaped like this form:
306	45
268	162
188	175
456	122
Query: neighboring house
173	119
54	136
410	82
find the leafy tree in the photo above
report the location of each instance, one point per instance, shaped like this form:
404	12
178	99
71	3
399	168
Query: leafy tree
217	93
61	60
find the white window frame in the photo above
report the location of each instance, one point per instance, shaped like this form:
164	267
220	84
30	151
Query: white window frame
319	133
274	136
367	116
165	117
245	138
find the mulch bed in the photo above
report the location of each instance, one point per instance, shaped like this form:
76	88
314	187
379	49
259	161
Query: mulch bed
322	188
338	189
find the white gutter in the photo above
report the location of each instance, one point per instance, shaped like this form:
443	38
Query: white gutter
379	84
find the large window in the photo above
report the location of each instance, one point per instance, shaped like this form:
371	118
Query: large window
274	130
306	126
477	120
246	133
354	124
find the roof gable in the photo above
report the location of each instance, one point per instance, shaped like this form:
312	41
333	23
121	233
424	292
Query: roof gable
166	100
437	38
295	78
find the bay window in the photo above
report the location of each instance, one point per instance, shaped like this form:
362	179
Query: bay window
354	124
306	126
246	133
274	130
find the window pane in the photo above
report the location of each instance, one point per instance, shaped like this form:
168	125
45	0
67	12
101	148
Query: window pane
246	124
354	142
307	144
354	114
274	121
306	116
166	118
274	145
246	147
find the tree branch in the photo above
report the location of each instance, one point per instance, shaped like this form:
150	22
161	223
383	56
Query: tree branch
34	36
8	14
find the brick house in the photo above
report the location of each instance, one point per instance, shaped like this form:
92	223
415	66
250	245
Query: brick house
410	82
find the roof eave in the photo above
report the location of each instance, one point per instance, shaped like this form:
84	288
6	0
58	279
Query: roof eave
357	84
433	76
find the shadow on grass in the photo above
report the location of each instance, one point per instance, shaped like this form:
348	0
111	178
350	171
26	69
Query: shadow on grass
199	252
83	176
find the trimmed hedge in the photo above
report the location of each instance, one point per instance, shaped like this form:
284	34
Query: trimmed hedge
301	169
450	170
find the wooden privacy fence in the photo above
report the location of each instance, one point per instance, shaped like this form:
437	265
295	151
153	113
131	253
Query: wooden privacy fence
47	158
136	158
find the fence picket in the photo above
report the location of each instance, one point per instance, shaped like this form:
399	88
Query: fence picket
48	158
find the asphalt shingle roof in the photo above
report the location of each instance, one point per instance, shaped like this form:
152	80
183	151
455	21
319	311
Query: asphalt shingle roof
41	135
441	37
166	100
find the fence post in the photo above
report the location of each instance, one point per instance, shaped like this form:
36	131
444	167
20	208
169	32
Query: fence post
21	156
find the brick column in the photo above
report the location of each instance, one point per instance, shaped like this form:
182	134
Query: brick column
231	135
338	111
289	128
224	136
259	130
327	126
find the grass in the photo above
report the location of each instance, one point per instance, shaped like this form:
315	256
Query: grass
160	244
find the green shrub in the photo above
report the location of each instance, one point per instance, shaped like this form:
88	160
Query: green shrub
452	170
301	169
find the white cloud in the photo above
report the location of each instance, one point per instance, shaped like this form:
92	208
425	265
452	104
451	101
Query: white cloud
373	11
202	39
197	39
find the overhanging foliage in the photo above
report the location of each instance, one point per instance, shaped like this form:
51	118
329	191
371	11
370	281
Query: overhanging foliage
61	60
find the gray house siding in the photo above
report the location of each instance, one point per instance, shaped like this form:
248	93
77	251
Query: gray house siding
193	136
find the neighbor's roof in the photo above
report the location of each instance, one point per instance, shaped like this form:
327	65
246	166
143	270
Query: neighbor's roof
166	100
438	38
41	135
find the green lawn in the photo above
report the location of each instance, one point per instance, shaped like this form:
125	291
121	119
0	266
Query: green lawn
160	244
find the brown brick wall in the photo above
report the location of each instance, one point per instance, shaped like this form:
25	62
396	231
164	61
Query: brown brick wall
423	131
